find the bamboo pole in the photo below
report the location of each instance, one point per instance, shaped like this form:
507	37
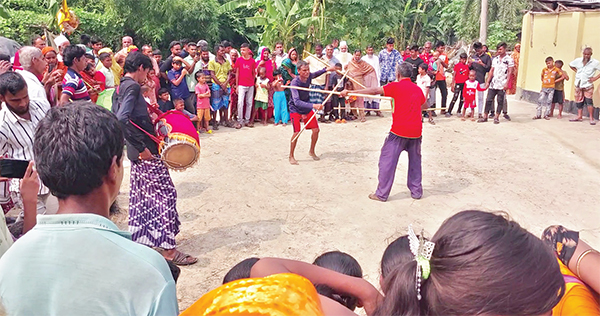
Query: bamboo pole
335	92
327	65
322	105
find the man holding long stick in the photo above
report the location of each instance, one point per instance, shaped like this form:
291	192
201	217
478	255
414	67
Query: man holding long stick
302	109
405	133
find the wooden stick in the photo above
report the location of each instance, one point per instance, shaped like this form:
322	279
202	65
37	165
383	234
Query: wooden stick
327	65
335	92
383	110
322	105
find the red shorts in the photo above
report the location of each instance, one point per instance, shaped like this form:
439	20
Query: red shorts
297	117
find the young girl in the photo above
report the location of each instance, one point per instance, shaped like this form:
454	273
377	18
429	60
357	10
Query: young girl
469	91
424	82
343	263
203	103
262	95
281	113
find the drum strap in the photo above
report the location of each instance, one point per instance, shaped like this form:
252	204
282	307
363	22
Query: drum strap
154	138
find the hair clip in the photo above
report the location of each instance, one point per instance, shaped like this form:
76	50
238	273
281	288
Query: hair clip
422	250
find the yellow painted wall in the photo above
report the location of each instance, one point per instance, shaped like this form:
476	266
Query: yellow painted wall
562	36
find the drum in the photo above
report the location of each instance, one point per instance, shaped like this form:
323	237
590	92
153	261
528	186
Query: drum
180	145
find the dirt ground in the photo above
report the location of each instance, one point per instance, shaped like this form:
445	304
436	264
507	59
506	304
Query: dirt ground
244	199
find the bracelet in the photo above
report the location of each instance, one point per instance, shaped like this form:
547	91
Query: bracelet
585	253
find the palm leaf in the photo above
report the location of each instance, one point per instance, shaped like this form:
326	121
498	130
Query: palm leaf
234	4
257	21
4	13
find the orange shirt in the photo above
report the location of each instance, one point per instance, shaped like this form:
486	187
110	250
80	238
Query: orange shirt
549	77
440	75
578	298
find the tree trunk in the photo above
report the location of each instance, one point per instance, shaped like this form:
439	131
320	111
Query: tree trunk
311	29
483	22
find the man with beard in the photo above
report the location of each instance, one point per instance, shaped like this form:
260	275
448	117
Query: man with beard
585	68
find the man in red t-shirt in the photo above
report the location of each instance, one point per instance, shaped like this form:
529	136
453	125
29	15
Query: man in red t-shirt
461	74
405	133
245	72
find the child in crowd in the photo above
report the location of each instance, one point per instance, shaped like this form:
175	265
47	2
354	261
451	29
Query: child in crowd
338	103
180	106
262	95
470	89
203	103
179	88
164	104
424	82
461	74
107	62
240	270
343	263
559	90
280	112
549	76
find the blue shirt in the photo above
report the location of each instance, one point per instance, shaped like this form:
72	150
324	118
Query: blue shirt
82	264
388	62
181	91
301	98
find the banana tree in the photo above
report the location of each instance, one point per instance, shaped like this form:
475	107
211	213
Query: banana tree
280	20
3	12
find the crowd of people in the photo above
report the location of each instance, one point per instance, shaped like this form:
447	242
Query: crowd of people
78	148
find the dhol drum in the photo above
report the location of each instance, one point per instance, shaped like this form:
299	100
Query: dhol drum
180	145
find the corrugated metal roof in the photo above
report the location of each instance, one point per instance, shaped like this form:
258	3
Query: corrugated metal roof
577	4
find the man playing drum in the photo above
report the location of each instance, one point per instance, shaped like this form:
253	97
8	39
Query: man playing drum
153	218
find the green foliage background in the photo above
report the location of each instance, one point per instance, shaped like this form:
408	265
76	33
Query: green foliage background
297	22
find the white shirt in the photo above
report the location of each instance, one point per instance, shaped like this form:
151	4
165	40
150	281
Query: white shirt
584	72
17	134
35	89
373	60
316	65
501	66
279	59
109	76
344	58
424	82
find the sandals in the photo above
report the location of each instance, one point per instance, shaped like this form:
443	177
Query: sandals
536	117
496	120
431	121
593	123
183	259
576	120
482	120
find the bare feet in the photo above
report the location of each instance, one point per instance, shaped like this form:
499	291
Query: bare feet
293	161
314	156
373	196
559	117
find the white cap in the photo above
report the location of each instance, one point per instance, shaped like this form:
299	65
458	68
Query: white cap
60	40
343	43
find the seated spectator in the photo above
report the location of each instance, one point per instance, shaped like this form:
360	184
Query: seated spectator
78	262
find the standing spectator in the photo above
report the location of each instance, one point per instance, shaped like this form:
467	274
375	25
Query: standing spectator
179	88
415	61
34	68
344	56
389	58
245	71
559	90
227	47
122	54
264	60
440	76
147	50
461	74
314	65
481	63
19	117
364	73
373	60
61	42
175	48
232	79
516	55
115	68
94	81
219	71
96	47
497	83
193	59
73	87
204	44
585	68
335	43
280	55
426	55
549	76
39	42
106	63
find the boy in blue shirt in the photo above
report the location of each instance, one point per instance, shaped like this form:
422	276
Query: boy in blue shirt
179	88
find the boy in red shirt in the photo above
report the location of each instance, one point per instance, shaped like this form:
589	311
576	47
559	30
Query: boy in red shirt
461	74
468	92
245	72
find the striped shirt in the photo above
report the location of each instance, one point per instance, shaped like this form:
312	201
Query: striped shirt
17	135
74	86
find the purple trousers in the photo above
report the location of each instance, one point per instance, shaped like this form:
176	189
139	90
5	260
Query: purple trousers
388	161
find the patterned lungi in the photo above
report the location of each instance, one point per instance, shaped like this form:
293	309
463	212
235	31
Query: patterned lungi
153	218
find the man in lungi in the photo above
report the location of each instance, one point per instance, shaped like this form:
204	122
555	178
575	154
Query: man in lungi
302	107
153	218
585	68
405	134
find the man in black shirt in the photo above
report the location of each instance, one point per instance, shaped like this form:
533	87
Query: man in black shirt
481	63
415	61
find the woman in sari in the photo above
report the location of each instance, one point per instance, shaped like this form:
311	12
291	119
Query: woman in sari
512	86
233	97
289	71
364	73
265	61
50	55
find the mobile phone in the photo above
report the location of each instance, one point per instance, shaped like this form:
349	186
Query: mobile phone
13	168
50	68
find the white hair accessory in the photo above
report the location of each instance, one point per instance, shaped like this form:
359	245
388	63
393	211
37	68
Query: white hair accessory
422	250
